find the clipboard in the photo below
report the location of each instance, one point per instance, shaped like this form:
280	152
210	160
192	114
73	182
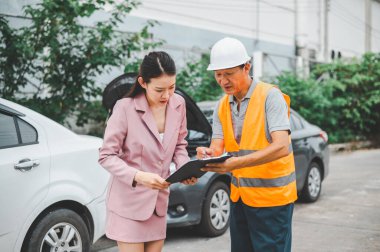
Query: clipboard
193	168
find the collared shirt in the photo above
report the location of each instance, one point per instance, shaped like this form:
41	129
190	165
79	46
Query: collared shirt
276	112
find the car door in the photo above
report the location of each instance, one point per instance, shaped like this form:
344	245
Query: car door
300	148
24	173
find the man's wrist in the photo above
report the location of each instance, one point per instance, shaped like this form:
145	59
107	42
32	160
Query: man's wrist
242	162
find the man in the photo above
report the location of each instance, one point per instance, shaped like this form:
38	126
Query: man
252	123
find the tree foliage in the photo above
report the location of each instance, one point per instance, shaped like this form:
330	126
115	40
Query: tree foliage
346	103
51	65
199	83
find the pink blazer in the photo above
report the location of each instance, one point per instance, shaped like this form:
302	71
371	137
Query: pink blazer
132	143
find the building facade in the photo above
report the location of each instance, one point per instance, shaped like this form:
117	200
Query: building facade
281	35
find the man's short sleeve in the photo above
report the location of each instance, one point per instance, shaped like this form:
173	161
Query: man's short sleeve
217	130
277	111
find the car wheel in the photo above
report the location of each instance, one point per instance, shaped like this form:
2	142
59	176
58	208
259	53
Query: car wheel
216	210
59	230
313	184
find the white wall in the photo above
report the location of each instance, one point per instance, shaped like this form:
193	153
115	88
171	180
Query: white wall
194	25
237	17
347	28
375	43
276	22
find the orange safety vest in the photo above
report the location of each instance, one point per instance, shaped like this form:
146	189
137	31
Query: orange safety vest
266	185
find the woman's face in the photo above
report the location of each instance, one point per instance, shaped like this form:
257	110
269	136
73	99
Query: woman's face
159	90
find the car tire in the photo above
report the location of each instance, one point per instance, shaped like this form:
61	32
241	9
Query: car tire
62	228
313	184
215	218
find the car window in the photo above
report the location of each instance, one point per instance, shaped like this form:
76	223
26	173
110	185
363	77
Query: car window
295	123
8	131
27	132
194	135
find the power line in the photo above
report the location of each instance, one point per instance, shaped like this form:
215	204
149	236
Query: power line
353	15
251	7
217	21
352	22
343	17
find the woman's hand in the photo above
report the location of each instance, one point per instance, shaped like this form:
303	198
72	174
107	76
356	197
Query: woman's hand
190	181
151	180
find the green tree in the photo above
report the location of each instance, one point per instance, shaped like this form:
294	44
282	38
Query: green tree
308	97
355	91
199	83
345	102
51	65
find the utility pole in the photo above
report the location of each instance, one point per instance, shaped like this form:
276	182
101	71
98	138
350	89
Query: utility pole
295	25
320	31
257	24
326	29
368	25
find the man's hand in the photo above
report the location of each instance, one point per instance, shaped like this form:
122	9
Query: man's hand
204	152
227	166
151	180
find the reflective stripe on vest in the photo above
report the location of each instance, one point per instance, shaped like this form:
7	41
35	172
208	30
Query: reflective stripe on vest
246	152
259	182
265	185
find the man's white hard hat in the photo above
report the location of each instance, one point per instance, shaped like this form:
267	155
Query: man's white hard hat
227	53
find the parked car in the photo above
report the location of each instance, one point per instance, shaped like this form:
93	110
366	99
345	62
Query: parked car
52	190
311	156
206	204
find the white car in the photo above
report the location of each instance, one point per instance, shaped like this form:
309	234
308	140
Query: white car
52	190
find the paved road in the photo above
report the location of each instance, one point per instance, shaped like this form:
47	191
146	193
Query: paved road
346	217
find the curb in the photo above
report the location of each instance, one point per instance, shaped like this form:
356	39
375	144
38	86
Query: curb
341	147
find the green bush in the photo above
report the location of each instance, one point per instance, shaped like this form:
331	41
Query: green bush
345	103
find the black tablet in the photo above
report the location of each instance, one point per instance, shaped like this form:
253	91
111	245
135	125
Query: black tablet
193	168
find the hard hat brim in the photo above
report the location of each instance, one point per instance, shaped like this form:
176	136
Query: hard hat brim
226	65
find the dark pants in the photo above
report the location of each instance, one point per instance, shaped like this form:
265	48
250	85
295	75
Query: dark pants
261	229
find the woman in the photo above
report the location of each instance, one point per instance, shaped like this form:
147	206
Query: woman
144	134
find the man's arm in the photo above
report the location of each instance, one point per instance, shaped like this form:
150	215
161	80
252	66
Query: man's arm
216	149
277	149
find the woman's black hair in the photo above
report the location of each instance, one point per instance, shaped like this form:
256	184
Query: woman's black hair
154	65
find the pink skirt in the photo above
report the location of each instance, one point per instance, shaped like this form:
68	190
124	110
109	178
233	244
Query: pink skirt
119	228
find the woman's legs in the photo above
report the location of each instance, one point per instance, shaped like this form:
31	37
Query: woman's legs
130	247
154	246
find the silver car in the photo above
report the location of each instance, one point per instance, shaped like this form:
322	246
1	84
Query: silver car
52	190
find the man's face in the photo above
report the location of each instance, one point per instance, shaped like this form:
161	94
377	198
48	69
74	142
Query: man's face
231	80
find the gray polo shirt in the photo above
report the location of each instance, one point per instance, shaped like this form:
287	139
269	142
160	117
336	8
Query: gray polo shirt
276	111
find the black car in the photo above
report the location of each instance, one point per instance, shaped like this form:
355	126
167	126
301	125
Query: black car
206	204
